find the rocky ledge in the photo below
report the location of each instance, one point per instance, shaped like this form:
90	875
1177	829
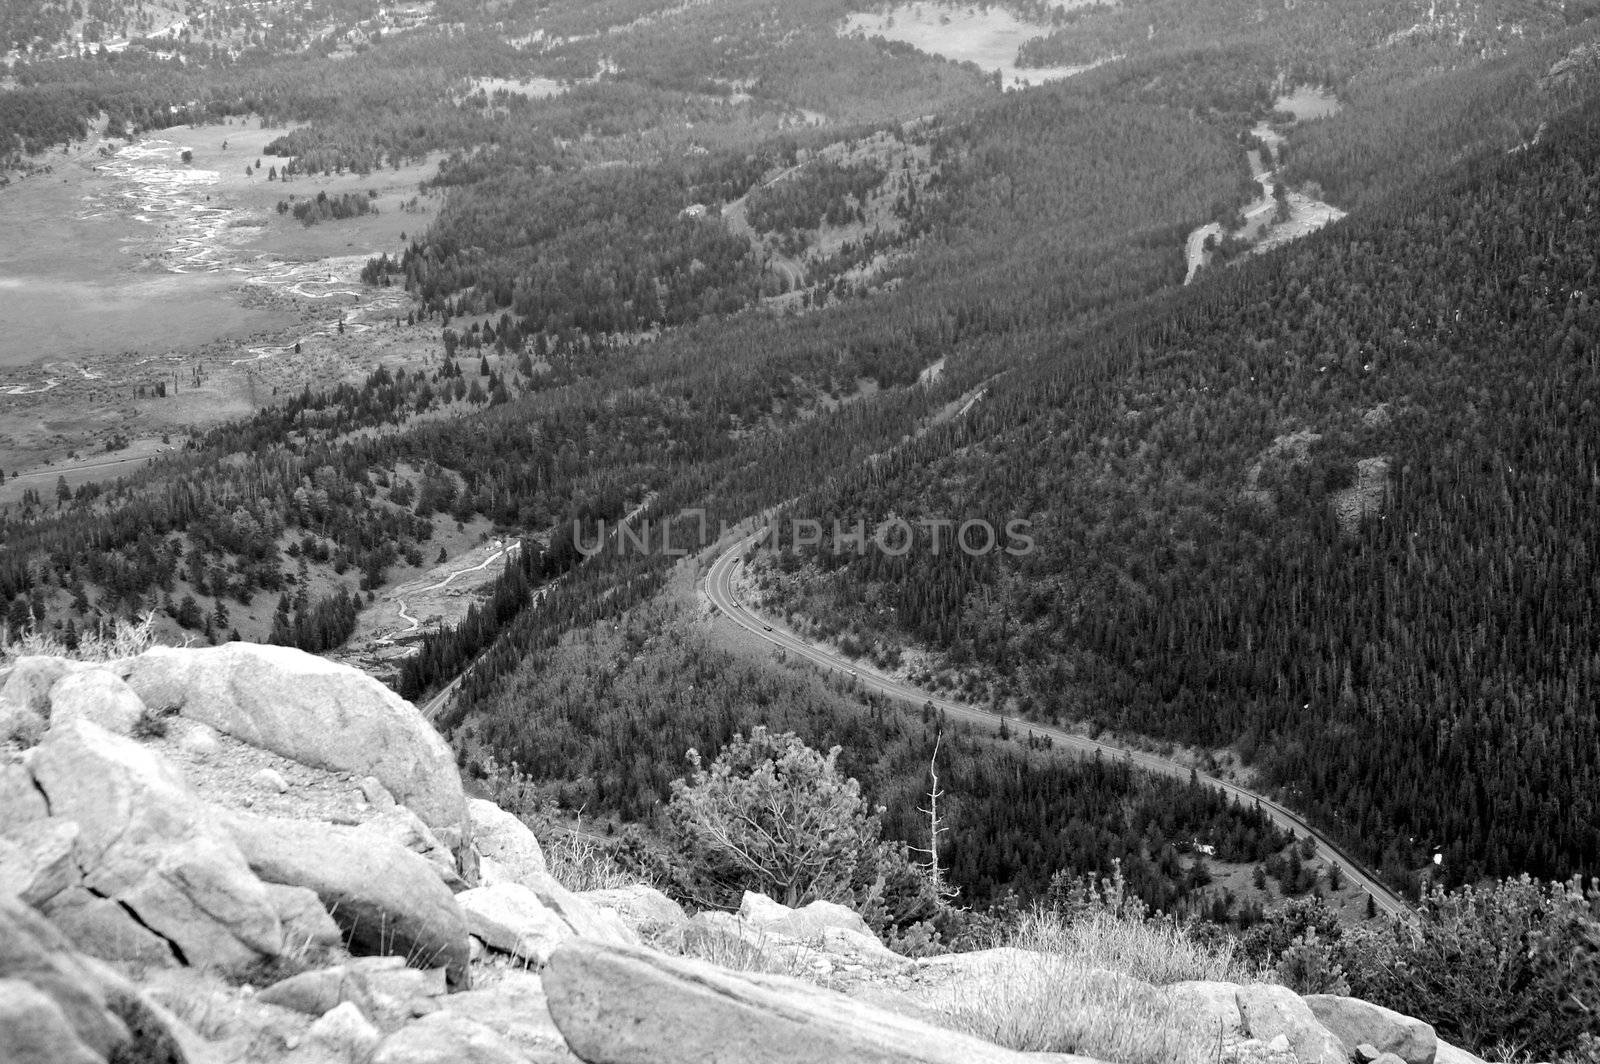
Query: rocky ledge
251	854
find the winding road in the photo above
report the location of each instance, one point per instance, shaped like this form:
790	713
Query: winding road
720	589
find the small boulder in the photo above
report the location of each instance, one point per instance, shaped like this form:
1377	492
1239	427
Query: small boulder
516	1009
1355	1021
503	838
375	794
270	779
509	917
1269	1010
640	906
1365	1053
345	1032
199	741
96	695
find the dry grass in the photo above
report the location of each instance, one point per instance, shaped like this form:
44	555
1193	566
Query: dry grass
1157	952
579	862
749	951
1093	987
1058	1007
120	639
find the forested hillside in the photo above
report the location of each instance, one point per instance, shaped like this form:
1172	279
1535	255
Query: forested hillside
602	722
1330	508
1335	508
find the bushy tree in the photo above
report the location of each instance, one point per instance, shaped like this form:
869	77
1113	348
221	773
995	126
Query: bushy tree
773	815
1515	964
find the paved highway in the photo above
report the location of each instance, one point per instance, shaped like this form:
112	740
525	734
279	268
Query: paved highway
719	587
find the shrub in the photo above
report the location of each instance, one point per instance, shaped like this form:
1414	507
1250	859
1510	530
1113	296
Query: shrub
1515	964
770	814
152	723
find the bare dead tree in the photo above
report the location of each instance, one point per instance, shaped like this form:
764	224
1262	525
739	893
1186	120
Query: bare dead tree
936	828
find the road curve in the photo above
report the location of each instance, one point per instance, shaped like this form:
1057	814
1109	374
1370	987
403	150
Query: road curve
719	588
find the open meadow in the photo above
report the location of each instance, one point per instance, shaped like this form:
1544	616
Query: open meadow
141	293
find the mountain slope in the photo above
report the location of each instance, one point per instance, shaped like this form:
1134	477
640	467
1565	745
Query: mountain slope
1335	508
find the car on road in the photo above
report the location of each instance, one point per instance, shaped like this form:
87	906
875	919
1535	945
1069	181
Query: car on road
766	627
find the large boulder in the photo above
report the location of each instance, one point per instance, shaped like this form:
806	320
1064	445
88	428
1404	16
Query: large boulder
310	710
503	838
808	921
152	859
1356	1022
1268	1011
629	1005
385	899
59	1008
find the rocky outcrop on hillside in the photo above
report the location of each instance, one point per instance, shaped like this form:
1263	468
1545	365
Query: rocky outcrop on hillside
281	851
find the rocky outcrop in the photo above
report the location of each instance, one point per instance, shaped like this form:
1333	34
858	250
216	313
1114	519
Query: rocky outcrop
385	899
146	843
150	861
625	1004
59	1008
310	710
1356	1022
